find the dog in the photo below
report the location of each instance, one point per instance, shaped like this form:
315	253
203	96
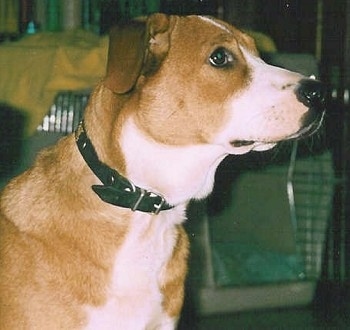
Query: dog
91	234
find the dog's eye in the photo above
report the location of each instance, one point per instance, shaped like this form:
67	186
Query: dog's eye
220	58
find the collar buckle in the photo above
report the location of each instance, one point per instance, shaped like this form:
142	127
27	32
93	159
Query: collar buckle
158	207
139	200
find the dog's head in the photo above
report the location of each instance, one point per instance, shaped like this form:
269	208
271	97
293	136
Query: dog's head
200	80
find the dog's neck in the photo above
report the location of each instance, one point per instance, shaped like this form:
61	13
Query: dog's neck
116	189
179	173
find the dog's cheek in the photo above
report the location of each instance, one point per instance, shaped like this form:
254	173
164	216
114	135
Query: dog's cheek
210	101
174	131
183	121
162	113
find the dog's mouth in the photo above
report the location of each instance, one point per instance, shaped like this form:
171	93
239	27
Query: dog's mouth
262	145
241	143
249	145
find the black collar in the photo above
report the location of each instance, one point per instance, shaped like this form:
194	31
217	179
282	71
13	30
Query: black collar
116	189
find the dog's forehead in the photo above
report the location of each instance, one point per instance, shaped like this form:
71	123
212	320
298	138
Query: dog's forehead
208	28
216	23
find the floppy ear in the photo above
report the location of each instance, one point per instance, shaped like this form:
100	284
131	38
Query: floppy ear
125	56
131	46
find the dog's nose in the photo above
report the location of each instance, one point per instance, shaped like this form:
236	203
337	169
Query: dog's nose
311	93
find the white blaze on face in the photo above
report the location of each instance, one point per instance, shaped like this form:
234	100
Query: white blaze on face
266	111
215	23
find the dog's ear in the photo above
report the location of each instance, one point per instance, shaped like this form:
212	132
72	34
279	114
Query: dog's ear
159	31
125	56
134	49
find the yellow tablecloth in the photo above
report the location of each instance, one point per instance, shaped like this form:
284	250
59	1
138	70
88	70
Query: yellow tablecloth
34	69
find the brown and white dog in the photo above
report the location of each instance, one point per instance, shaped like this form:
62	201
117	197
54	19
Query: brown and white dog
180	94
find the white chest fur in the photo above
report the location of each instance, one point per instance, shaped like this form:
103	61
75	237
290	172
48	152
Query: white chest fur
134	296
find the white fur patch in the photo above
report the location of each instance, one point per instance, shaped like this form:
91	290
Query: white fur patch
179	173
216	23
134	296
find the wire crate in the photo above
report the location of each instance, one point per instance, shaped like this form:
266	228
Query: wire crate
265	249
65	113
